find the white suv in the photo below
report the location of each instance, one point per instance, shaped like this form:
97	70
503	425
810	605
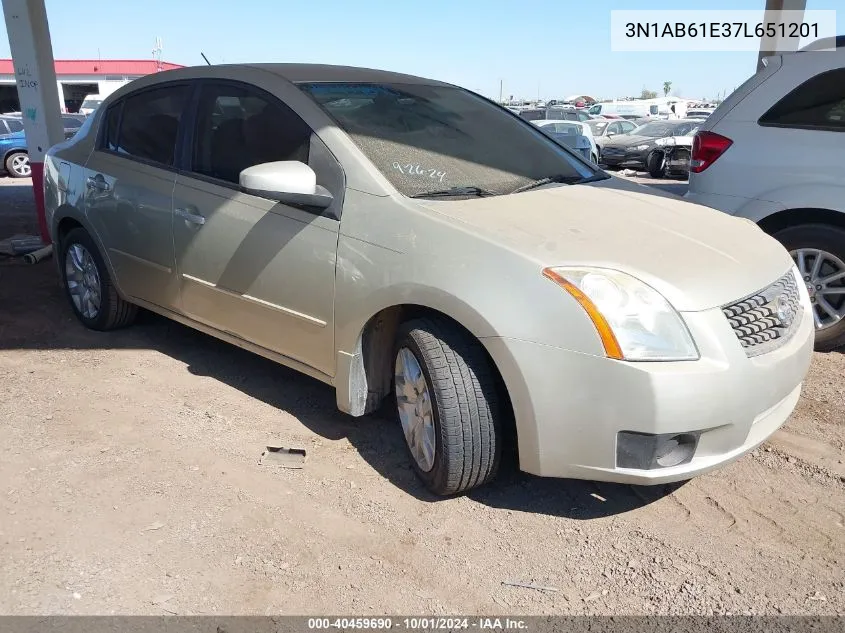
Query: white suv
774	152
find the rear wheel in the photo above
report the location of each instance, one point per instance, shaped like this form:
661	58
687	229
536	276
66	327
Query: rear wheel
89	288
17	165
819	253
448	405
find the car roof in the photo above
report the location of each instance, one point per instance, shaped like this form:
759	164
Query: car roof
297	73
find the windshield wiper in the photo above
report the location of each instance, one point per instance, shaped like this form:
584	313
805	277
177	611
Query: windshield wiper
547	181
560	178
455	191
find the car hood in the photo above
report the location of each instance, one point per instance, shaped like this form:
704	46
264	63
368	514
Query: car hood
629	140
697	257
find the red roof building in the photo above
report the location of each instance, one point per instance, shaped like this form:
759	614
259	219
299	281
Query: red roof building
117	67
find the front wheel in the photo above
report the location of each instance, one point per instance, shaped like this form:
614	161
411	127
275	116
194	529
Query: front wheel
656	165
819	252
17	165
448	405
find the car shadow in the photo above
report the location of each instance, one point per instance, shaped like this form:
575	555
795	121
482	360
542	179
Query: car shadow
378	438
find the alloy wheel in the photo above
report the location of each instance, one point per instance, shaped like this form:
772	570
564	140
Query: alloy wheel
83	281
21	166
824	276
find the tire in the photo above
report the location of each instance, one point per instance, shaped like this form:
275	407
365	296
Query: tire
655	165
113	311
17	165
465	404
830	239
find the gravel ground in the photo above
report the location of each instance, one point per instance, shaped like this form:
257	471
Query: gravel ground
130	483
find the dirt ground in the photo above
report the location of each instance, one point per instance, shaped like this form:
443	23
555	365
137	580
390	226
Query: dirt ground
130	483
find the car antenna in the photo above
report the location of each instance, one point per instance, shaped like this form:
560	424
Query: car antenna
205	58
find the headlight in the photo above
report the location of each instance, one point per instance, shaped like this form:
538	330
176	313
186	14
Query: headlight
642	148
633	320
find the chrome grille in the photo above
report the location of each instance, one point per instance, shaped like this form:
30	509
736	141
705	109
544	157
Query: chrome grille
767	319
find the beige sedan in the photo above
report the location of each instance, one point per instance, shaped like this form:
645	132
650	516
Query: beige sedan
402	238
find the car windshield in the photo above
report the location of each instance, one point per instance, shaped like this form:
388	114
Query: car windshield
655	129
427	138
597	127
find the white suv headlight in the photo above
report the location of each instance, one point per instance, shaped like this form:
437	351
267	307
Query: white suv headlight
634	321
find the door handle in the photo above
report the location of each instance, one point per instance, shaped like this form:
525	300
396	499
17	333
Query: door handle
97	182
193	218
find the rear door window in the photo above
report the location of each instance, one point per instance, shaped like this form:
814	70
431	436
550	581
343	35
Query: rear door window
817	104
149	124
14	126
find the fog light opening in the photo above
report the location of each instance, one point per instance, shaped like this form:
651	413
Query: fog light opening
675	450
646	451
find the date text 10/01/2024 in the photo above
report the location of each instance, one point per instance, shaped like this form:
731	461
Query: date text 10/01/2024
721	29
418	624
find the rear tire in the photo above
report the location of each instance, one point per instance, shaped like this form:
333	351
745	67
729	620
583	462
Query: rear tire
17	165
112	311
655	165
464	403
831	240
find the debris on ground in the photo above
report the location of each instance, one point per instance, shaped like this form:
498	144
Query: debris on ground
628	172
599	497
153	526
20	244
528	585
284	457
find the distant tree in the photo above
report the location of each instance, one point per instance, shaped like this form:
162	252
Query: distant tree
667	88
648	94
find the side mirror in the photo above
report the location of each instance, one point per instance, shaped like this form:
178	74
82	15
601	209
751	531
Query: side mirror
287	181
611	133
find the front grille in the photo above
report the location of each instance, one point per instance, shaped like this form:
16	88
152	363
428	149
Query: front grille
767	319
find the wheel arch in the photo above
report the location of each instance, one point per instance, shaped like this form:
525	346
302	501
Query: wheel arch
365	376
14	150
780	220
67	217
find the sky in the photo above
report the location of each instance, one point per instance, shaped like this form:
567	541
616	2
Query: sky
552	50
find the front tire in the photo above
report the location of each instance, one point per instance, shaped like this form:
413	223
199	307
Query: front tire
17	165
448	405
655	165
819	252
91	293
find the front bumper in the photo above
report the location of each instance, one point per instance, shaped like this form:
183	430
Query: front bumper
570	406
626	158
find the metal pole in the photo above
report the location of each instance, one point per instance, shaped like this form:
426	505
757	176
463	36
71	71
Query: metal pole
773	45
38	91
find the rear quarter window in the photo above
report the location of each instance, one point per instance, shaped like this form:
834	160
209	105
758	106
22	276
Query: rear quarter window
817	104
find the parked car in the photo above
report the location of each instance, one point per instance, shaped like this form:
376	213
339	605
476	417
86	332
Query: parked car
670	157
554	114
13	143
398	237
573	134
773	153
698	114
631	150
90	104
604	129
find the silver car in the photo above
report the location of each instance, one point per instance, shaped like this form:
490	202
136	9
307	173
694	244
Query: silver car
402	238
